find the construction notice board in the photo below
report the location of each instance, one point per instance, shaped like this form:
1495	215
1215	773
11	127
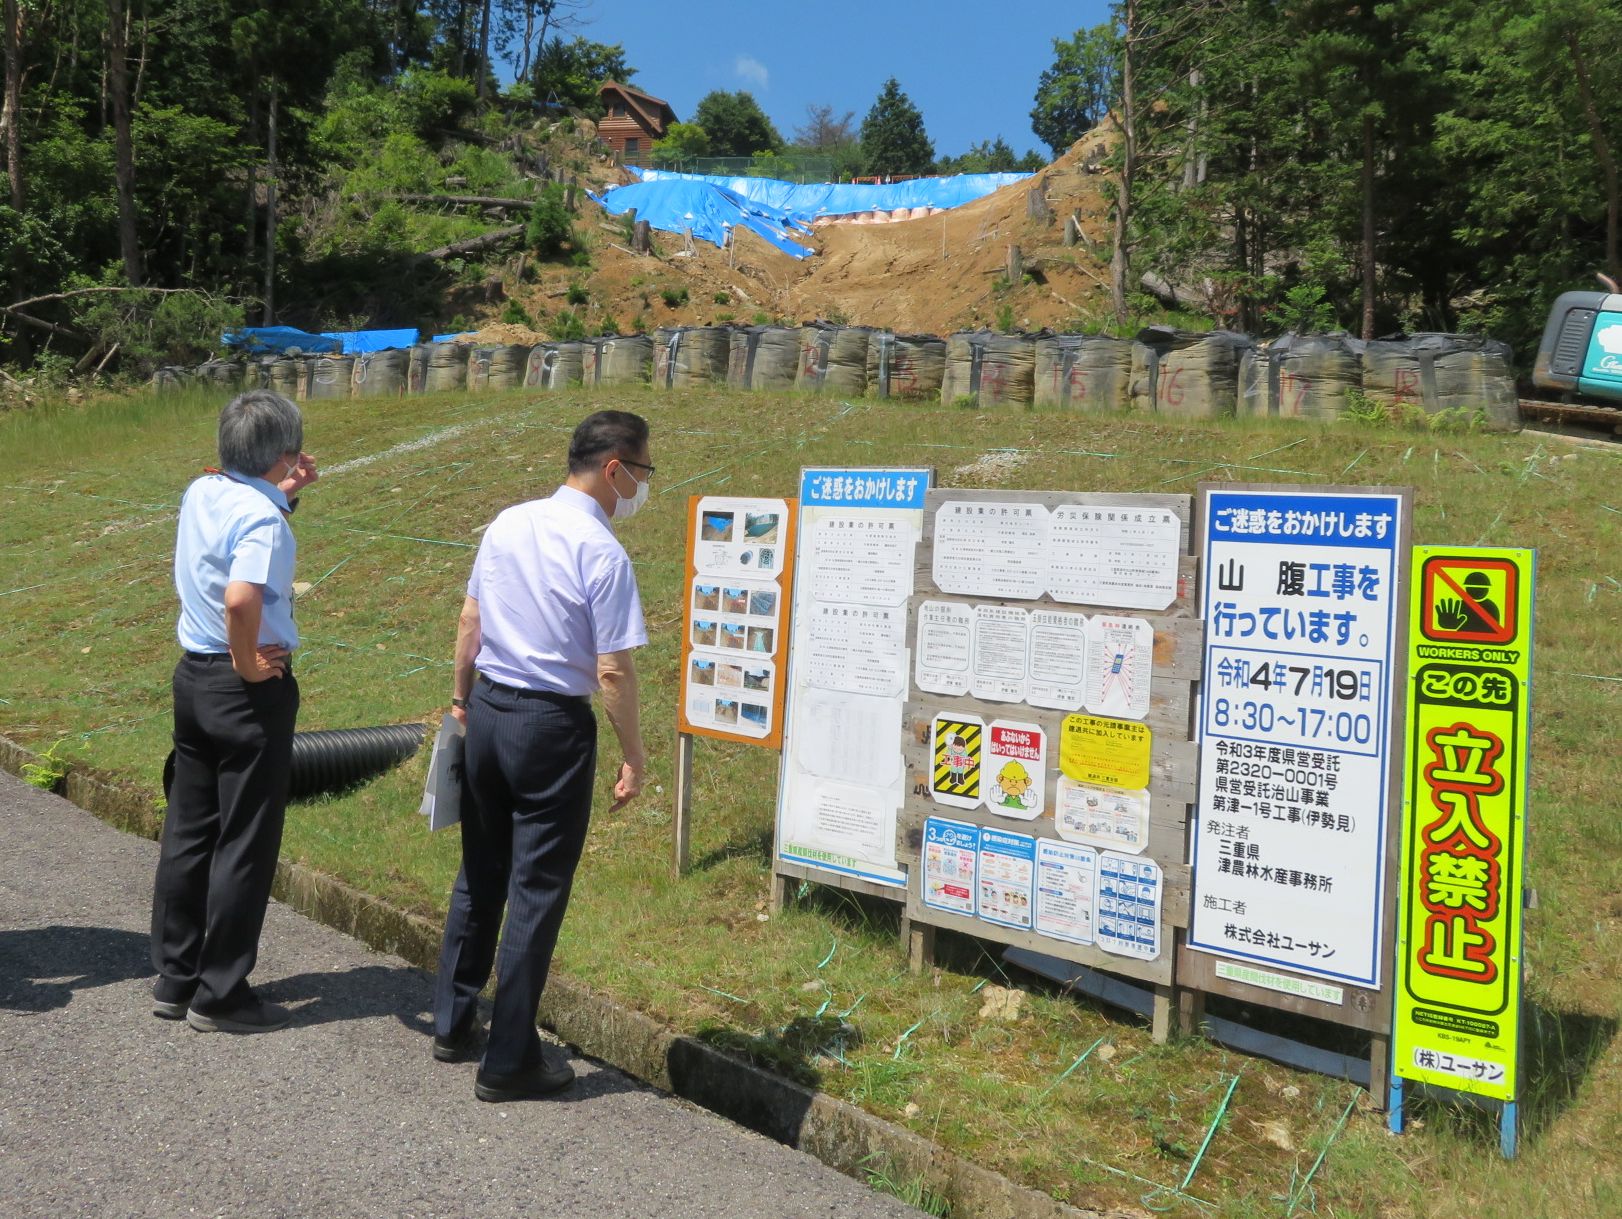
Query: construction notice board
1049	767
842	777
1294	845
739	577
1469	722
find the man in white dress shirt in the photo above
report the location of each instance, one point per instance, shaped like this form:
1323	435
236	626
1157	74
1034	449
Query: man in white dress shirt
552	614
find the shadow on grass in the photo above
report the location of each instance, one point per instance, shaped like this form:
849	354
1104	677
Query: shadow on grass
755	846
1558	1050
855	912
791	1051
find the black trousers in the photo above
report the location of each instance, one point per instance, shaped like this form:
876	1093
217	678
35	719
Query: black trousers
529	768
223	829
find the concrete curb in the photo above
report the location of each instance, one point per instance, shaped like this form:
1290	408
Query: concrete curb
839	1134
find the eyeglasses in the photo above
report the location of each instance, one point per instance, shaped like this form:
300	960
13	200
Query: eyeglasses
625	461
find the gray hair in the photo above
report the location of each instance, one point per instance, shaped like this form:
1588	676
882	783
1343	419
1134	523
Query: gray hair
256	428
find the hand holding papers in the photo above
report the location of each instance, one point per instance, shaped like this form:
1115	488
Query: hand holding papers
442	794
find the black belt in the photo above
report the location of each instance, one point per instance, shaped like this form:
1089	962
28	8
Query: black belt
545	696
209	657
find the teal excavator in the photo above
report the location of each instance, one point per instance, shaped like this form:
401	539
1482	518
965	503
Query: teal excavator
1579	360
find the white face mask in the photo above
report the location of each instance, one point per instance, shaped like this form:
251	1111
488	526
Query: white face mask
627	505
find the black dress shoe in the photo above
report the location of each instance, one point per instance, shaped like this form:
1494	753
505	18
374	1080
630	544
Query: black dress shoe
461	1045
539	1080
254	1016
169	1002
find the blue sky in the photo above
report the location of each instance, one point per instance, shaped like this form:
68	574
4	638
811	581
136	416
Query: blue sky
970	66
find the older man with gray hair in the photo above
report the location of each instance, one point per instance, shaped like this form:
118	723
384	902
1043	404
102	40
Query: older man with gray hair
235	704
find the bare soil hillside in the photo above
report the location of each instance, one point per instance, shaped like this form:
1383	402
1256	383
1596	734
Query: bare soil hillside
933	275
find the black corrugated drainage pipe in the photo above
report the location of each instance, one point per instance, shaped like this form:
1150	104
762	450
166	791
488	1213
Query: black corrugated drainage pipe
338	758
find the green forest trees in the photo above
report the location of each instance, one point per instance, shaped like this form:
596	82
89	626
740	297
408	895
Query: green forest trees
1373	164
893	138
735	124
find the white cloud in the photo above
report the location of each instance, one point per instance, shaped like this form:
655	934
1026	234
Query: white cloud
750	69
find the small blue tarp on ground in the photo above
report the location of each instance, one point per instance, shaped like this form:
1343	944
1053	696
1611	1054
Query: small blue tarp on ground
262	340
779	211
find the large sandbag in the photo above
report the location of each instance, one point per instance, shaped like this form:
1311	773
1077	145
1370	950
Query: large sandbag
496	367
417	369
619	360
447	367
1302	376
763	357
172	379
286	376
960	378
225	374
691	355
905	365
1444	372
833	359
559	364
1083	371
991	369
381	374
330	376
1192	374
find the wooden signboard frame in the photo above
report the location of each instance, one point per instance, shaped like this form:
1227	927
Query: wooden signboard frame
1173	763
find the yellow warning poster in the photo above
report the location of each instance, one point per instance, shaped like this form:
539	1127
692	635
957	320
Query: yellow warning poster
957	742
1459	929
1114	753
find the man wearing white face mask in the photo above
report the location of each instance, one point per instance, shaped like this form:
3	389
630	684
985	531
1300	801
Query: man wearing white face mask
552	614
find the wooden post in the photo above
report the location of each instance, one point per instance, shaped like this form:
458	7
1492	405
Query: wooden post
683	820
1015	270
920	946
642	237
780	891
1379	1069
1072	231
1160	1021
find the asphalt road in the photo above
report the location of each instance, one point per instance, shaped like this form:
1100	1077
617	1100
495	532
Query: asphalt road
108	1111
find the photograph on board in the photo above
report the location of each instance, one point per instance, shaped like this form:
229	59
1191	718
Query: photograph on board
704	634
735	600
760	638
760	526
729	675
726	711
707	597
763	603
703	672
716	527
732	635
754	713
757	679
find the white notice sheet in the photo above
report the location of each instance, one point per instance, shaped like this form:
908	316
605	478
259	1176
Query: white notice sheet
1120	655
859	649
857	558
849	737
999	653
991	550
945	636
1129	906
1100	555
1058	660
1065	883
1109	817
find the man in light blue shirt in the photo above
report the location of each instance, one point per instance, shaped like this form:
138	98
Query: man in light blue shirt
235	704
551	615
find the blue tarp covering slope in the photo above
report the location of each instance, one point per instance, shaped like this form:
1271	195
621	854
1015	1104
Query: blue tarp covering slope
710	211
810	200
779	211
359	342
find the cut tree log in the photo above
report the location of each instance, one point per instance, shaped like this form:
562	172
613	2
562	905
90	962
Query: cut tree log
473	245
467	200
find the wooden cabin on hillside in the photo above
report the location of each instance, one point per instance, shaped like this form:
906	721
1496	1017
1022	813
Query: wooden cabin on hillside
632	121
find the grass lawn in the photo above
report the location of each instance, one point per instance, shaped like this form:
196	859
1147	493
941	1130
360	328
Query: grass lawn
87	507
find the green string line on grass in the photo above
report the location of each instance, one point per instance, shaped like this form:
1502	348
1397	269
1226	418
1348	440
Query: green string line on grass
901	1041
1066	1073
1210	1134
723	994
1300	1194
832	948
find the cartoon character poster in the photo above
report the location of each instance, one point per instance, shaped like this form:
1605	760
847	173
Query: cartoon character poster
1016	760
957	746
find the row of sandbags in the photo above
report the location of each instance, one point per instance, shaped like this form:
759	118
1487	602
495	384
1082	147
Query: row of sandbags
1318	376
1162	371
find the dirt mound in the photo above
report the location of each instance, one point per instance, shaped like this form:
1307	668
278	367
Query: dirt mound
932	275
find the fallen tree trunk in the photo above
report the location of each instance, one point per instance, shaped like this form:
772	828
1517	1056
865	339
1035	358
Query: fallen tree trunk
1169	294
467	200
474	244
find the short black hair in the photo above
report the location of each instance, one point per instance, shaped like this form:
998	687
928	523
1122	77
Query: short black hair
607	433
